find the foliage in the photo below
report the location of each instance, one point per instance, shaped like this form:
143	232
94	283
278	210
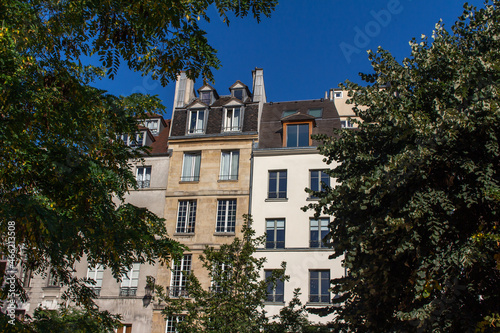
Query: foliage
417	211
293	318
72	320
60	167
234	301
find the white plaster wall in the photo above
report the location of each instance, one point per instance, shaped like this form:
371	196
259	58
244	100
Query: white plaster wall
297	254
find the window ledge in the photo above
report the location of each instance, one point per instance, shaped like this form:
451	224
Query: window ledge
189	181
312	199
274	303
227	180
227	234
183	234
317	303
276	200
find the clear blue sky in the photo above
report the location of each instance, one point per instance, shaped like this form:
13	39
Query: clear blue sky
306	47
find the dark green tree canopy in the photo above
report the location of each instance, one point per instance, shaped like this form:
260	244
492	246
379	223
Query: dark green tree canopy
60	163
417	211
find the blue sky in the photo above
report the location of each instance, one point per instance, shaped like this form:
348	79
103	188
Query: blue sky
306	47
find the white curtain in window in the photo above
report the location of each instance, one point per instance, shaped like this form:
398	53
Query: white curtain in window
229	165
191	167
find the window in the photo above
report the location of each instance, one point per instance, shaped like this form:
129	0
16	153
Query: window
275	234
130	281
288	113
191	167
232	120
346	124
226	216
320	181
229	165
315	112
238	93
338	94
206	97
186	216
318	231
221	273
319	283
275	291
297	135
143	177
53	280
180	272
26	277
130	141
196	122
96	274
126	328
172	322
277	184
152	125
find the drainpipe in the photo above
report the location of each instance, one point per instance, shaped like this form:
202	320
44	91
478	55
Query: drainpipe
251	181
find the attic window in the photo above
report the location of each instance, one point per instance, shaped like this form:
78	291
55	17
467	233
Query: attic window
130	141
239	94
206	97
315	112
288	113
338	94
152	125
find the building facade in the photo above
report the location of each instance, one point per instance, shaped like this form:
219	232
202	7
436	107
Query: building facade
209	177
286	161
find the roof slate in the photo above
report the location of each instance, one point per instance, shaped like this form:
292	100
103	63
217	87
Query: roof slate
271	127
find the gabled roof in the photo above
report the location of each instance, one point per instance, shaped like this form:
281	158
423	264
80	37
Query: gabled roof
207	87
238	84
232	101
196	104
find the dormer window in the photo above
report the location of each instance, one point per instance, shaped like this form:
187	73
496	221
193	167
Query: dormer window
297	135
232	119
196	123
206	97
153	125
132	141
239	94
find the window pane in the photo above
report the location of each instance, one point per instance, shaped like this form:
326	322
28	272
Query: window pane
291	136
282	184
303	133
238	93
273	184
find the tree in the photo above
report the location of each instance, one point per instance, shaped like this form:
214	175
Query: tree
416	214
234	301
60	166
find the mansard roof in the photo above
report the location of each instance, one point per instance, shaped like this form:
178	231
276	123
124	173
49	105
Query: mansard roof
272	120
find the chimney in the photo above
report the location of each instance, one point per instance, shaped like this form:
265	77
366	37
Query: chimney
258	89
184	91
259	92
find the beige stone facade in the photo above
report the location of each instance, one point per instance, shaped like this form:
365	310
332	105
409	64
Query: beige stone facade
199	200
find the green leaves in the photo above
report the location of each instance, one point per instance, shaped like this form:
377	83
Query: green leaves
412	213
